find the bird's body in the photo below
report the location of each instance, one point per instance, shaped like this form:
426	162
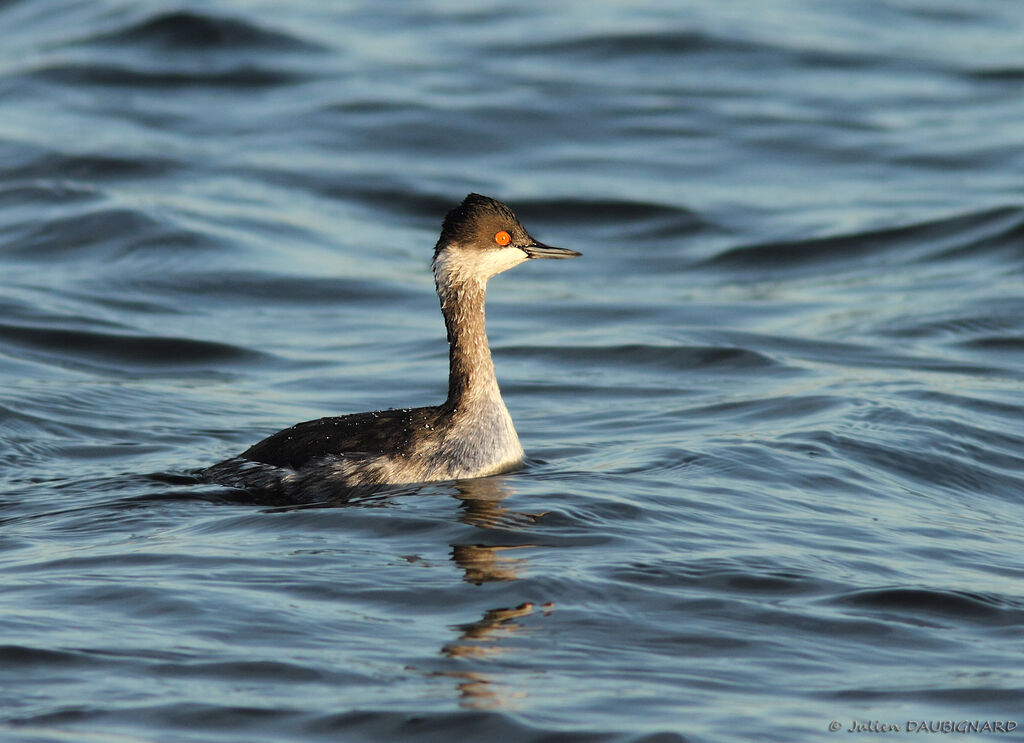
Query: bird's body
469	435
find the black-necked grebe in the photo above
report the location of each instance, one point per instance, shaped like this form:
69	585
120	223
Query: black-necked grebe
469	435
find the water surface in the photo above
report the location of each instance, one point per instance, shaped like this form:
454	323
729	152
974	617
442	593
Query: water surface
773	415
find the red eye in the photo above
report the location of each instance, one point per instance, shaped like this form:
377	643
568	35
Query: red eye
502	238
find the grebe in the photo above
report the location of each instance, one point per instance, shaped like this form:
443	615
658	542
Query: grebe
469	435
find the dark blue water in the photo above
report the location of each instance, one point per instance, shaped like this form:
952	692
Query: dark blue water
773	415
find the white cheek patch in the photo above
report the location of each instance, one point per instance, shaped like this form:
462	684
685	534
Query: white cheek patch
476	263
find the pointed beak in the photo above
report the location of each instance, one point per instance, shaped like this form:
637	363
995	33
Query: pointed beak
540	250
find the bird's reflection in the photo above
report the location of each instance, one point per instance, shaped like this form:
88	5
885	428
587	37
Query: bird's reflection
487	639
484	640
480	506
480	641
484	564
479	691
480	502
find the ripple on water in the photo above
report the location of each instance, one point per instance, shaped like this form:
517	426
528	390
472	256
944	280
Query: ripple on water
678	358
948	238
187	31
912	604
773	413
121	351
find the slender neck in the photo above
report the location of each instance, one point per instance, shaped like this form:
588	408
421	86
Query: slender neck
470	369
